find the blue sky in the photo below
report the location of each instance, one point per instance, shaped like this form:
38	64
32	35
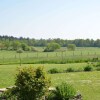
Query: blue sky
67	19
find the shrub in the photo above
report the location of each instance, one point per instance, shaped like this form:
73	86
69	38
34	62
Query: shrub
71	47
19	51
88	68
98	64
98	68
30	85
70	70
34	49
53	70
63	91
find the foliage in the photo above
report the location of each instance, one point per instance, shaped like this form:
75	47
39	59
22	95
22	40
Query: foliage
15	45
71	47
53	70
88	68
19	51
70	70
98	68
52	47
34	49
31	84
25	47
1	46
63	91
98	64
44	42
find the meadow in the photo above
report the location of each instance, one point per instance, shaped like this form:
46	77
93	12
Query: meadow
62	56
86	83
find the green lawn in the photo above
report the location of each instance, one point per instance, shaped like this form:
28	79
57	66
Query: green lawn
87	83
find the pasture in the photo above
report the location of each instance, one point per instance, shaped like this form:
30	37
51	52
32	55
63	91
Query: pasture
62	56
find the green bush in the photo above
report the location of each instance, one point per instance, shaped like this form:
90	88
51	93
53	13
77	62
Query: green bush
98	68
19	51
70	70
53	70
71	47
88	68
31	84
63	91
98	64
34	49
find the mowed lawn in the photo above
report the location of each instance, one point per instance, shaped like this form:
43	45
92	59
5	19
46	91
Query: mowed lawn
86	83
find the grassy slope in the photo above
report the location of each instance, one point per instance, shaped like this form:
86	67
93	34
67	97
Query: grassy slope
88	83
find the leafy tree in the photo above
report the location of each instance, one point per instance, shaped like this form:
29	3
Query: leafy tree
1	46
71	47
52	47
44	42
16	45
7	45
31	84
25	47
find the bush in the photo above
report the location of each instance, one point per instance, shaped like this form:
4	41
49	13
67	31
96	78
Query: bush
53	70
71	47
88	68
98	68
98	64
30	85
70	70
19	51
34	49
63	92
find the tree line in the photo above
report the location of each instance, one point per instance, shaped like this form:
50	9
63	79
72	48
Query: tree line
25	43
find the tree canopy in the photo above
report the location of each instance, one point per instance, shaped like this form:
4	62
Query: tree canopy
13	43
52	47
71	47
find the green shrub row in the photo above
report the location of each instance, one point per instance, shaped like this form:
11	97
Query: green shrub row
70	69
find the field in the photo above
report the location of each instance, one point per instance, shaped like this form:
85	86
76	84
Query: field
61	57
86	83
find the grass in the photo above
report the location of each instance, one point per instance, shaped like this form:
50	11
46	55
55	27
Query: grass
79	55
87	83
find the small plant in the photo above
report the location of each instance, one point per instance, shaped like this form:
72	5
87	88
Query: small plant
88	68
98	68
53	70
19	51
63	91
98	64
70	70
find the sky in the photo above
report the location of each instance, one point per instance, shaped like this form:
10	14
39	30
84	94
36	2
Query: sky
66	19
